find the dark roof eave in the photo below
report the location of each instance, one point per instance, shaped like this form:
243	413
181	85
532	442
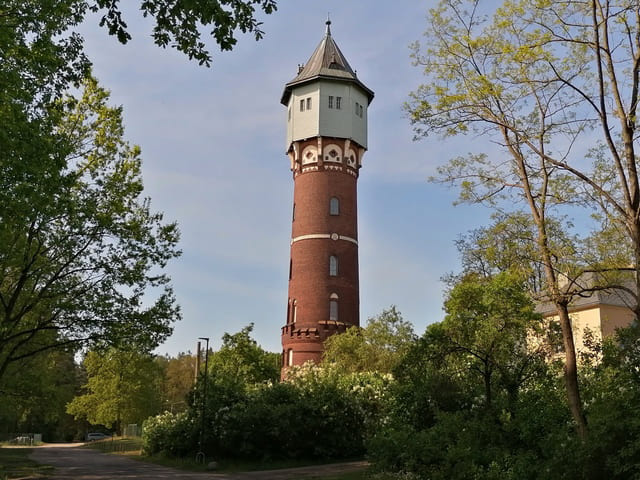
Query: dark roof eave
284	100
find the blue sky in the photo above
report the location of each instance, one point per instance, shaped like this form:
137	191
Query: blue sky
213	143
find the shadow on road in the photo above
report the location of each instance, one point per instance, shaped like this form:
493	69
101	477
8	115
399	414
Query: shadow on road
86	464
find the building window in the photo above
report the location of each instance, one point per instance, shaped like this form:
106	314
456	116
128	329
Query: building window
333	266
330	101
302	105
334	206
309	103
357	109
333	310
338	103
290	358
361	111
293	213
295	312
290	268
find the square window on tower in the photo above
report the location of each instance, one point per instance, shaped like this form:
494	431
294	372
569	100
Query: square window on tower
302	105
338	103
330	101
309	103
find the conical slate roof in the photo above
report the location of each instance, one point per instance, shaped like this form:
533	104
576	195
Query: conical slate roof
326	62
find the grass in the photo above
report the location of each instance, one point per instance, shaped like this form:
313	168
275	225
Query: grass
121	445
15	463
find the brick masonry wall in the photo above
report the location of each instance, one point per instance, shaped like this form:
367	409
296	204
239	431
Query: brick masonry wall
310	284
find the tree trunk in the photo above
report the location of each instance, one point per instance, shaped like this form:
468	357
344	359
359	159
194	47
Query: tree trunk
571	370
636	273
487	387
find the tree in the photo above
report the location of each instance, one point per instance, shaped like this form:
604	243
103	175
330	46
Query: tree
80	249
122	388
241	359
506	245
180	24
34	395
538	78
178	379
466	391
378	347
177	24
487	332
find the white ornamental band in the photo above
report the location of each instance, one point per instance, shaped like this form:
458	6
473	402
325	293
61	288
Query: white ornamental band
332	236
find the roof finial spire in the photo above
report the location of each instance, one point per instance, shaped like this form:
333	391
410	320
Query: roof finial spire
328	24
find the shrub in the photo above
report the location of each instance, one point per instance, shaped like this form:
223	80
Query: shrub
170	434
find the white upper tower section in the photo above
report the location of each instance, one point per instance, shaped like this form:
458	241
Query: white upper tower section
326	98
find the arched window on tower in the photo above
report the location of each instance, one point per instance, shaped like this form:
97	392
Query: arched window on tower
333	307
334	206
333	266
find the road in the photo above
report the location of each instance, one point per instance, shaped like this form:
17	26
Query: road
86	464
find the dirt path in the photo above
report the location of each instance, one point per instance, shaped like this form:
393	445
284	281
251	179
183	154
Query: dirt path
87	464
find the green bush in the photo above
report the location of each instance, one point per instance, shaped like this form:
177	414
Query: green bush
316	413
169	434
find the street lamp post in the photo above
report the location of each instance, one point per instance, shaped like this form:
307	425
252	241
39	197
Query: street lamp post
200	457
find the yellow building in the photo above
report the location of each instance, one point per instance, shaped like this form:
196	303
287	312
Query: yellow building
599	312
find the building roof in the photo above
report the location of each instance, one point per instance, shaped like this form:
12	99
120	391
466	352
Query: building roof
327	62
590	291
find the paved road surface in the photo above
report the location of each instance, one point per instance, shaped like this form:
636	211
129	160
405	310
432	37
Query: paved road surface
86	464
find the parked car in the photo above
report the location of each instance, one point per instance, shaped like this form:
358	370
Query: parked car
21	440
91	437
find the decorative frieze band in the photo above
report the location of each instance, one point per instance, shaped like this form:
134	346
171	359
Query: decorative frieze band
332	236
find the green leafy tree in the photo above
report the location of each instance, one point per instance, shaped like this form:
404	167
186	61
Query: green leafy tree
123	387
538	79
81	248
378	347
241	359
507	244
34	395
472	400
611	372
180	25
177	24
485	333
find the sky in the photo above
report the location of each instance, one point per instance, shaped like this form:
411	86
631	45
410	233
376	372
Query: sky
213	147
